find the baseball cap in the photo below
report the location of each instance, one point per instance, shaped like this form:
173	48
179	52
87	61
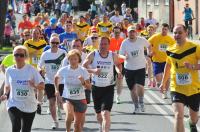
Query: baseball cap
131	28
53	21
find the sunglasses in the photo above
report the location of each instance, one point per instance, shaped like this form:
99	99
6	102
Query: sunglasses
19	55
57	43
94	37
27	35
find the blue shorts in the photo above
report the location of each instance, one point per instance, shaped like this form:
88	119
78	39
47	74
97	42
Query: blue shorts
158	67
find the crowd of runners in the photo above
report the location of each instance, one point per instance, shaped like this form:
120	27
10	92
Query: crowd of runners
68	60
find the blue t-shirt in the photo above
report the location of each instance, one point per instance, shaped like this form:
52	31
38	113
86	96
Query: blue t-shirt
48	31
188	14
69	36
48	47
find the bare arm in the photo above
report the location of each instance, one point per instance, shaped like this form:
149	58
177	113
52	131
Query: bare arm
165	76
117	63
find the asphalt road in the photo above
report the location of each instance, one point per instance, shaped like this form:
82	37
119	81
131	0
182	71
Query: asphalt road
158	116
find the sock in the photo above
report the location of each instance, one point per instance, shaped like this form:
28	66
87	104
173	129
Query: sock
141	100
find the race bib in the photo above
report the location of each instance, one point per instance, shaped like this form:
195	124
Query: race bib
75	91
21	94
54	68
183	79
103	75
104	29
135	53
163	47
35	60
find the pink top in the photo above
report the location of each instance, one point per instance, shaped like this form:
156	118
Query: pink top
8	30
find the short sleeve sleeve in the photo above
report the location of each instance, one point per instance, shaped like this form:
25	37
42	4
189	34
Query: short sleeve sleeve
7	78
86	75
65	62
122	49
198	52
37	77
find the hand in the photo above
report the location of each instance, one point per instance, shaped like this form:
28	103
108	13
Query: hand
81	79
32	83
3	97
120	76
162	88
126	55
97	71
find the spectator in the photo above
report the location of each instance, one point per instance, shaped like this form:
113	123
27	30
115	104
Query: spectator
123	8
151	20
188	15
93	9
27	7
7	33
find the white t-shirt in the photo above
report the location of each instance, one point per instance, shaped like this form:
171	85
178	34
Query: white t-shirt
135	51
22	95
51	62
151	21
73	88
115	19
65	61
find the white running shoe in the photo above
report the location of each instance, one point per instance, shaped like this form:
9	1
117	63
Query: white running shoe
164	95
136	111
118	100
48	111
142	108
55	125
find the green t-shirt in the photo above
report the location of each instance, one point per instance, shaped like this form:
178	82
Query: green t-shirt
8	60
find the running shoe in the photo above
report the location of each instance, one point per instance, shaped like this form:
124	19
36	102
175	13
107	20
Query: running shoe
55	125
136	111
192	127
118	100
48	111
164	95
39	109
142	108
59	114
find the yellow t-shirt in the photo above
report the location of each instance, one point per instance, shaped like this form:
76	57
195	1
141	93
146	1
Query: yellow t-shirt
159	45
35	50
104	29
183	80
82	30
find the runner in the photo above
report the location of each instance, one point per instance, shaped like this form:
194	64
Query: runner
82	28
35	48
115	44
53	28
25	24
68	35
76	79
20	81
132	50
105	27
49	63
102	63
182	69
159	43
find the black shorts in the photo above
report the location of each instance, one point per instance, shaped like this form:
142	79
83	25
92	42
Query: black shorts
79	105
103	98
135	77
192	101
50	90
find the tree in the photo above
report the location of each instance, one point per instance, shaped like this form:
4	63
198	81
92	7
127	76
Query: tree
3	10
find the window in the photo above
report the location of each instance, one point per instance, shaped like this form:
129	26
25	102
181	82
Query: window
156	2
148	2
166	2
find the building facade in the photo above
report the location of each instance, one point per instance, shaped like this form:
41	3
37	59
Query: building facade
160	9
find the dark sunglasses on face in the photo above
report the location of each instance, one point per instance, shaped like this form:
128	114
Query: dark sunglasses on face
94	37
19	55
56	43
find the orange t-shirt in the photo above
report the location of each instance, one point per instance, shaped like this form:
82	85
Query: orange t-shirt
115	45
25	25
